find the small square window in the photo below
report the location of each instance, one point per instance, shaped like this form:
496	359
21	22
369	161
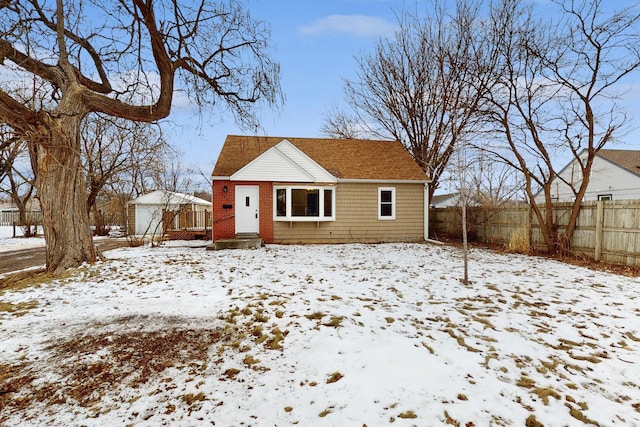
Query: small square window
605	197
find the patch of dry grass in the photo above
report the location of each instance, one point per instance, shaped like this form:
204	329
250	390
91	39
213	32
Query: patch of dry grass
19	309
545	393
334	322
532	422
578	415
519	241
334	378
191	398
460	340
326	412
125	360
315	316
25	279
407	415
131	359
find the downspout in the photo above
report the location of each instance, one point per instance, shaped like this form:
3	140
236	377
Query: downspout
426	217
426	212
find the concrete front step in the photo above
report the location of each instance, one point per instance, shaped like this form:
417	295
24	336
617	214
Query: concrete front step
237	243
247	236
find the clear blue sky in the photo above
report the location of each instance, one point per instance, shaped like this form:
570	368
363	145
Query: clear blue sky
315	44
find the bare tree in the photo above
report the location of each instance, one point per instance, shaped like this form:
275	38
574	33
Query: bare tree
17	182
462	169
113	148
424	85
7	139
338	124
490	182
555	93
129	67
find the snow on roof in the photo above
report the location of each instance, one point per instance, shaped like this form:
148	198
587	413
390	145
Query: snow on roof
162	197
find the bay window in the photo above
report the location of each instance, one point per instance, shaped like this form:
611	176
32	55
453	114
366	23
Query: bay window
296	203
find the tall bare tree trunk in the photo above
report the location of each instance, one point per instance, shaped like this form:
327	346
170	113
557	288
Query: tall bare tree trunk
62	193
465	240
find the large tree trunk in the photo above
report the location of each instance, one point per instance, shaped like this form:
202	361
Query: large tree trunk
62	193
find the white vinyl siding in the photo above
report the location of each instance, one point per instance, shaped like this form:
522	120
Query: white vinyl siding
284	163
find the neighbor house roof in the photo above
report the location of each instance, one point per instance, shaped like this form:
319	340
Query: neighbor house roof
160	197
343	158
441	198
32	205
627	159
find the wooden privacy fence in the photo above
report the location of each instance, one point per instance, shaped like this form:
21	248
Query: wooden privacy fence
607	231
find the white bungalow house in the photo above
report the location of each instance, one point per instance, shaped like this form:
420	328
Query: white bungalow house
615	175
166	212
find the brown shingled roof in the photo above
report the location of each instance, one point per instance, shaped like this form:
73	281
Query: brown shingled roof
344	158
627	159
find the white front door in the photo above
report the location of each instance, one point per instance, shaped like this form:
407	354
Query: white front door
247	209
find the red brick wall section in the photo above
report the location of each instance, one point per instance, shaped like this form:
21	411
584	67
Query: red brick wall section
266	211
224	219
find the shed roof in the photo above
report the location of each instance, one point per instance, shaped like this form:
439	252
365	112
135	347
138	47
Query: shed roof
161	197
344	158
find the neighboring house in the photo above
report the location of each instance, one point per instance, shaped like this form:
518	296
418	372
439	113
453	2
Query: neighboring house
10	214
615	175
445	200
161	212
313	190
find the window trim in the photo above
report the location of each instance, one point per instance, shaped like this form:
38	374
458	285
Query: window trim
605	197
290	218
393	204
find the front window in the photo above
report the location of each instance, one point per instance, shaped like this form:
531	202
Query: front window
386	203
304	203
281	202
328	202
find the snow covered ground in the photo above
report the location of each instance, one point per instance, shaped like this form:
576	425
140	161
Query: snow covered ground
8	243
335	335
